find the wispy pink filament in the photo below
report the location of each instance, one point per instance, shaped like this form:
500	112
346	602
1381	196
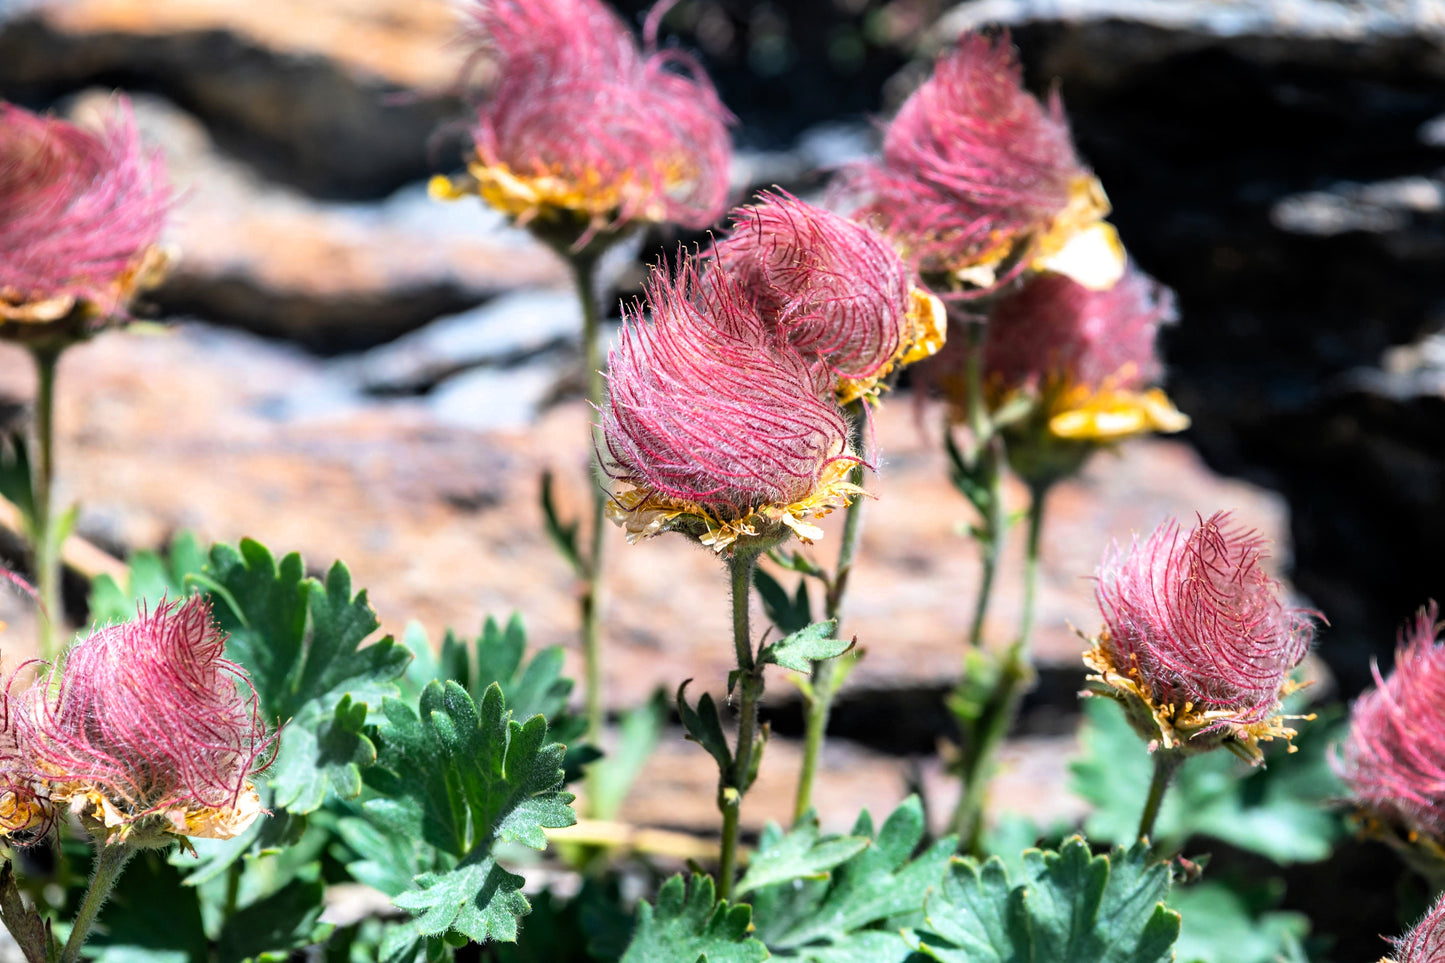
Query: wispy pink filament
575	98
704	407
151	714
1054	329
835	290
1425	943
1202	622
971	161
77	209
1394	758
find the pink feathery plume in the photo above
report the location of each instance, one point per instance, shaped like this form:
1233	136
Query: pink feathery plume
835	290
1199	619
78	210
151	715
576	99
1394	758
1425	942
970	162
703	409
1054	329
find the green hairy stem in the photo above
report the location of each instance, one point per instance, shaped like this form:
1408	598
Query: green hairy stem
108	865
46	543
734	784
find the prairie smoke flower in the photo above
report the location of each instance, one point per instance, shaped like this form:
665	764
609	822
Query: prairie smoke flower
582	127
1196	644
834	290
712	428
1425	943
976	176
1394	757
148	733
80	217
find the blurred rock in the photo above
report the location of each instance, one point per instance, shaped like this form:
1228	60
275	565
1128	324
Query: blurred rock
257	77
503	331
327	275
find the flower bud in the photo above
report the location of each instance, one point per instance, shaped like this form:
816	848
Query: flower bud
581	131
1394	757
80	218
147	732
834	290
1196	644
712	428
978	176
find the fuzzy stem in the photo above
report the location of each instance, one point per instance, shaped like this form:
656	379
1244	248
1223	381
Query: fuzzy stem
996	719
46	546
1166	763
108	864
584	271
1038	492
750	690
989	455
824	681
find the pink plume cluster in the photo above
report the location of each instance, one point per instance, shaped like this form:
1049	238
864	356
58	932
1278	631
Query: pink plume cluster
575	99
834	290
1425	943
704	409
971	161
1200	622
151	716
1055	330
1394	758
78	210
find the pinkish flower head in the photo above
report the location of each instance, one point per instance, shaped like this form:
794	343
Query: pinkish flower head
1425	943
973	164
708	418
80	215
149	732
580	121
834	290
1394	758
1196	639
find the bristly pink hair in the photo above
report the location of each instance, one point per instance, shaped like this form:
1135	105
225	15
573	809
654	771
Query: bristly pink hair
1425	943
704	407
834	290
150	713
78	210
1199	619
971	161
575	97
1054	329
1394	758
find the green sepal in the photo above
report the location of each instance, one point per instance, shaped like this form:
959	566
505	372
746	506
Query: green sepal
704	727
688	926
802	648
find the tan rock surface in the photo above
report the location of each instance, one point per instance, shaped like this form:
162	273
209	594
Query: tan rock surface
409	42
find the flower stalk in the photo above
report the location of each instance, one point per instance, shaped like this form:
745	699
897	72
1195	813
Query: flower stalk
584	272
46	537
1166	764
111	860
827	674
735	784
